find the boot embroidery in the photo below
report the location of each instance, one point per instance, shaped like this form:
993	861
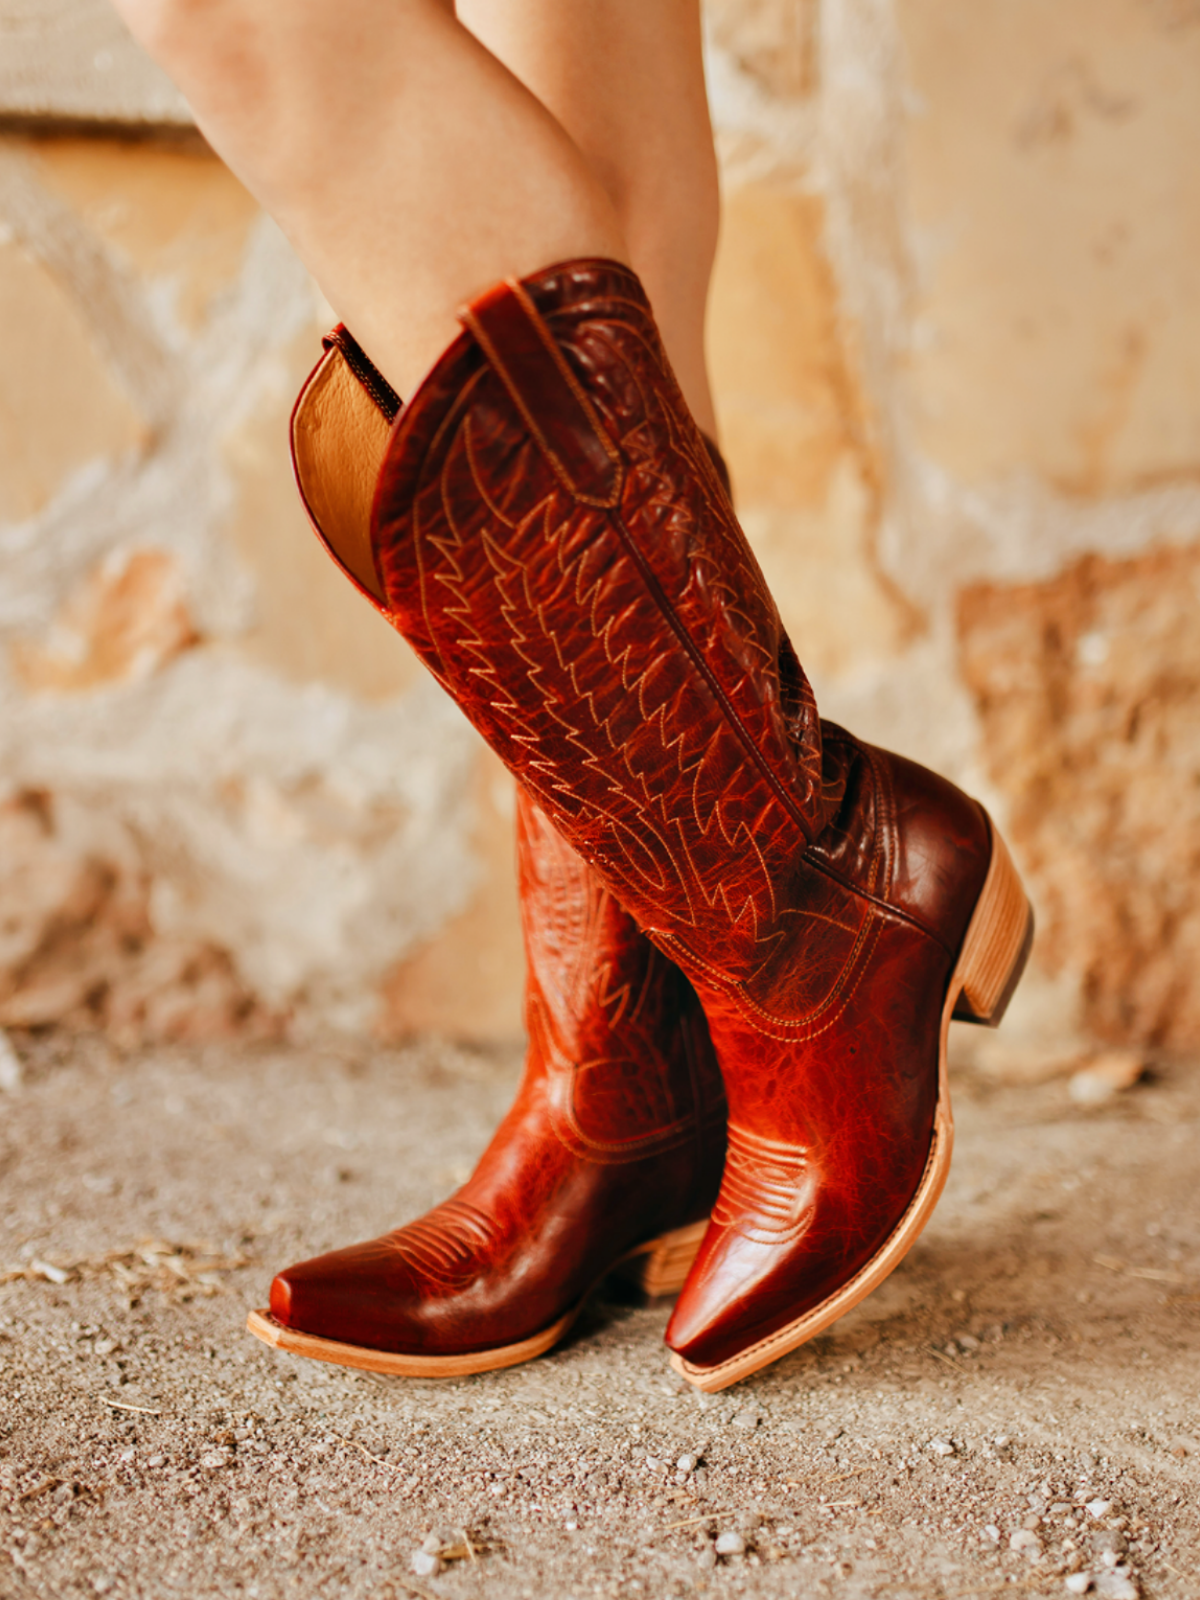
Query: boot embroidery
448	1244
769	1188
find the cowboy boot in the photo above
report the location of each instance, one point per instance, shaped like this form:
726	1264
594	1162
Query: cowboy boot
611	1155
552	540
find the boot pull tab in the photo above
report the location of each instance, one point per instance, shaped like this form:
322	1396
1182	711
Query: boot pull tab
522	352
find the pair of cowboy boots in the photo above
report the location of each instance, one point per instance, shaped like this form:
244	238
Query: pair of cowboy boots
548	530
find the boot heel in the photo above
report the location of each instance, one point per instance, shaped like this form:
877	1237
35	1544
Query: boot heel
659	1267
997	945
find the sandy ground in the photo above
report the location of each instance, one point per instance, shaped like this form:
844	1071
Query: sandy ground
1032	1373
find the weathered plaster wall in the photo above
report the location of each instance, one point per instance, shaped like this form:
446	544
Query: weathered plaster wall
956	332
73	61
954	335
231	796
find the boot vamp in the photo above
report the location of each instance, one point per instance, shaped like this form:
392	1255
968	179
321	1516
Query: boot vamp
487	1269
828	1143
831	1052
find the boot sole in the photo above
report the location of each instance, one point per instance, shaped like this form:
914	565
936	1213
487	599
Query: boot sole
989	967
658	1267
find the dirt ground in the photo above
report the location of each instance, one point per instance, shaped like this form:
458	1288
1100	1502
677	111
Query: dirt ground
1016	1411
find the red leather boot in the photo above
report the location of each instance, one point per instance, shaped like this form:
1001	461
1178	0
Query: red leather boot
611	1155
551	538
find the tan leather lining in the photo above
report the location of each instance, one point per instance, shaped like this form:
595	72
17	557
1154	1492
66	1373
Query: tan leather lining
339	438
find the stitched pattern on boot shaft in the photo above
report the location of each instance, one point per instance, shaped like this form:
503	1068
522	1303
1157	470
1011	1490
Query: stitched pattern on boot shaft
606	1012
537	611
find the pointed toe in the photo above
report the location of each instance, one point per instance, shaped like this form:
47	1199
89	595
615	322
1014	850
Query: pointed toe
359	1295
737	1293
281	1300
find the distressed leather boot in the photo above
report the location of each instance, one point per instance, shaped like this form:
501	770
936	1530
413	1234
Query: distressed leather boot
552	539
611	1156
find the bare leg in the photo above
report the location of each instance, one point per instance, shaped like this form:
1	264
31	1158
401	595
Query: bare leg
408	166
625	78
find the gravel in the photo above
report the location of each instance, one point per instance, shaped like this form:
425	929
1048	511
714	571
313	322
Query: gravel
149	1448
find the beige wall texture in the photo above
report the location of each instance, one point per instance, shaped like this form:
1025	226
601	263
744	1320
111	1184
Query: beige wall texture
955	336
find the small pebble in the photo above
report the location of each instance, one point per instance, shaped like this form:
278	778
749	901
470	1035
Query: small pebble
425	1564
992	1533
156	1461
685	1464
1099	1508
431	1545
1079	1583
1116	1586
707	1559
1105	1076
941	1447
1108	1542
1024	1539
747	1419
730	1544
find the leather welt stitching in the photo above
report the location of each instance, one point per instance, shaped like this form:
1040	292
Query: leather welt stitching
786	1028
673	1136
859	959
604	1151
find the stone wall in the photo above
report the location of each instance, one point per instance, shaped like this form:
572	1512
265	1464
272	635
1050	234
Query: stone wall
954	332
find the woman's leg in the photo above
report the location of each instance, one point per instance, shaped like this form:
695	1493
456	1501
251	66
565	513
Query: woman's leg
408	166
625	78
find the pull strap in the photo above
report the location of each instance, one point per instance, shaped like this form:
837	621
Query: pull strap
364	369
522	352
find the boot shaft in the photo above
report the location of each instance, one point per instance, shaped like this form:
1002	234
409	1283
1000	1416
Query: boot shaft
619	1053
554	542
